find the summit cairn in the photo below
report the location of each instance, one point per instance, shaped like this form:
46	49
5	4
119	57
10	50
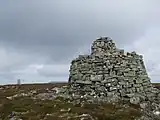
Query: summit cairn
109	74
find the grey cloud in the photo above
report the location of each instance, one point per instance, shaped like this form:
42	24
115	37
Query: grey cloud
63	26
55	70
53	31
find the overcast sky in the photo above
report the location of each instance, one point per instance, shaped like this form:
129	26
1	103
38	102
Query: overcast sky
39	38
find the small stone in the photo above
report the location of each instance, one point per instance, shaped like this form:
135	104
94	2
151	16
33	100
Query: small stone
130	95
135	100
156	112
84	82
143	105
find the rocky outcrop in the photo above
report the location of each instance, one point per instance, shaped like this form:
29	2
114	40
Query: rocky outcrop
111	74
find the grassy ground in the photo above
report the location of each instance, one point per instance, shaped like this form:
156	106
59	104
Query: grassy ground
30	109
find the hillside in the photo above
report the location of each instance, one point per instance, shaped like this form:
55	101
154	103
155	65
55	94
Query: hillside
24	106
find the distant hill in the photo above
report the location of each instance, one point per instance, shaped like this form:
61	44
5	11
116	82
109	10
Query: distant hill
157	85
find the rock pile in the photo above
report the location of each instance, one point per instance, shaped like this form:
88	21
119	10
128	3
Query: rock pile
110	74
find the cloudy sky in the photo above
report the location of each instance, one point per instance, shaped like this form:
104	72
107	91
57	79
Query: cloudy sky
38	39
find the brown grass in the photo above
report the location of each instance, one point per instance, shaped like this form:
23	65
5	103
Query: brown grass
37	109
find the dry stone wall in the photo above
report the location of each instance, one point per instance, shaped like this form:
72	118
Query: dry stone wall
109	73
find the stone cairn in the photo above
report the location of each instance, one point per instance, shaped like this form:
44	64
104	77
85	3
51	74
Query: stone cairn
110	74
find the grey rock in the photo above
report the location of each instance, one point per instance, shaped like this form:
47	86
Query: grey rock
84	82
143	105
130	95
135	100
